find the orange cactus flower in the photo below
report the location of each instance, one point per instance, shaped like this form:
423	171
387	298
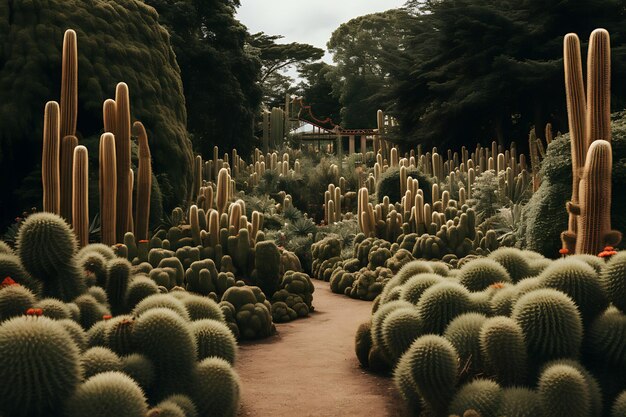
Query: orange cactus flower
7	282
107	317
497	285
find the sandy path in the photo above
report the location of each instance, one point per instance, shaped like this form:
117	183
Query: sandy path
310	369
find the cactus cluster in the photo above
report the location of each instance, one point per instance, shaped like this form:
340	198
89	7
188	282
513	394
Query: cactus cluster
500	337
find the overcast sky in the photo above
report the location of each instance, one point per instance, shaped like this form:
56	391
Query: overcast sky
307	21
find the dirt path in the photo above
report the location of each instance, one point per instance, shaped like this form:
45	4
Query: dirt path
310	370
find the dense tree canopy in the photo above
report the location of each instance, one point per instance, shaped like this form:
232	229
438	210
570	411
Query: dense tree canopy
490	69
220	77
364	50
317	91
277	57
118	40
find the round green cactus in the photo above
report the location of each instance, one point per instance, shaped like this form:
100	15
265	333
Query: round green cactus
563	392
606	339
15	300
503	348
95	266
595	392
99	248
166	339
440	268
595	262
407	271
481	273
282	313
619	406
76	332
200	308
139	288
434	366
464	334
254	321
47	247
614	279
99	294
503	300
415	286
97	360
5	248
379	317
482	395
118	275
399	329
53	308
519	402
363	343
91	311
514	260
481	300
239	296
185	403
298	283
441	303
214	338
95	334
220	397
229	317
551	324
108	394
139	368
580	282
403	380
118	334
166	409
161	301
11	267
38	360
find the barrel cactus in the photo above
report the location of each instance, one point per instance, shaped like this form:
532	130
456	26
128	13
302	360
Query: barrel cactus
481	395
481	273
564	392
220	397
441	303
99	359
214	339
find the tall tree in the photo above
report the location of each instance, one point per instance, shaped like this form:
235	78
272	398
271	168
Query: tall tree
276	59
317	91
490	69
220	77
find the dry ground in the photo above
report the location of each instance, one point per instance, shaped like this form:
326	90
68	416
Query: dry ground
309	368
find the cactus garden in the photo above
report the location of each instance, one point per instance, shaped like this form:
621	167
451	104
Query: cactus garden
426	227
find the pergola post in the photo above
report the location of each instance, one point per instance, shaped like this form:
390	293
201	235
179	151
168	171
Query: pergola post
351	145
363	144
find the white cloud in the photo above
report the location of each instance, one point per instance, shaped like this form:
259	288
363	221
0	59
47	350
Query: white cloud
309	21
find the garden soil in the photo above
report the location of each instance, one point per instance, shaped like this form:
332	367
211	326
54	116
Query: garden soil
309	369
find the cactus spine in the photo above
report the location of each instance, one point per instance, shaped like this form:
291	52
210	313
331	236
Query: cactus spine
50	175
80	195
108	188
144	183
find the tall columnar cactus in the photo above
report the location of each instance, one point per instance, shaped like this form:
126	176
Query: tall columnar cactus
576	108
594	210
108	189
80	195
596	126
223	184
144	183
122	149
66	164
68	114
266	131
50	174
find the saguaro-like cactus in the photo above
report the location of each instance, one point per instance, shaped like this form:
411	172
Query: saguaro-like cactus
589	121
108	189
66	164
50	176
223	184
122	148
594	210
80	195
144	183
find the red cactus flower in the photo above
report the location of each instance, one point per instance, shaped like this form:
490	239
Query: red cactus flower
608	248
7	282
144	241
497	285
30	312
107	317
607	253
563	251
